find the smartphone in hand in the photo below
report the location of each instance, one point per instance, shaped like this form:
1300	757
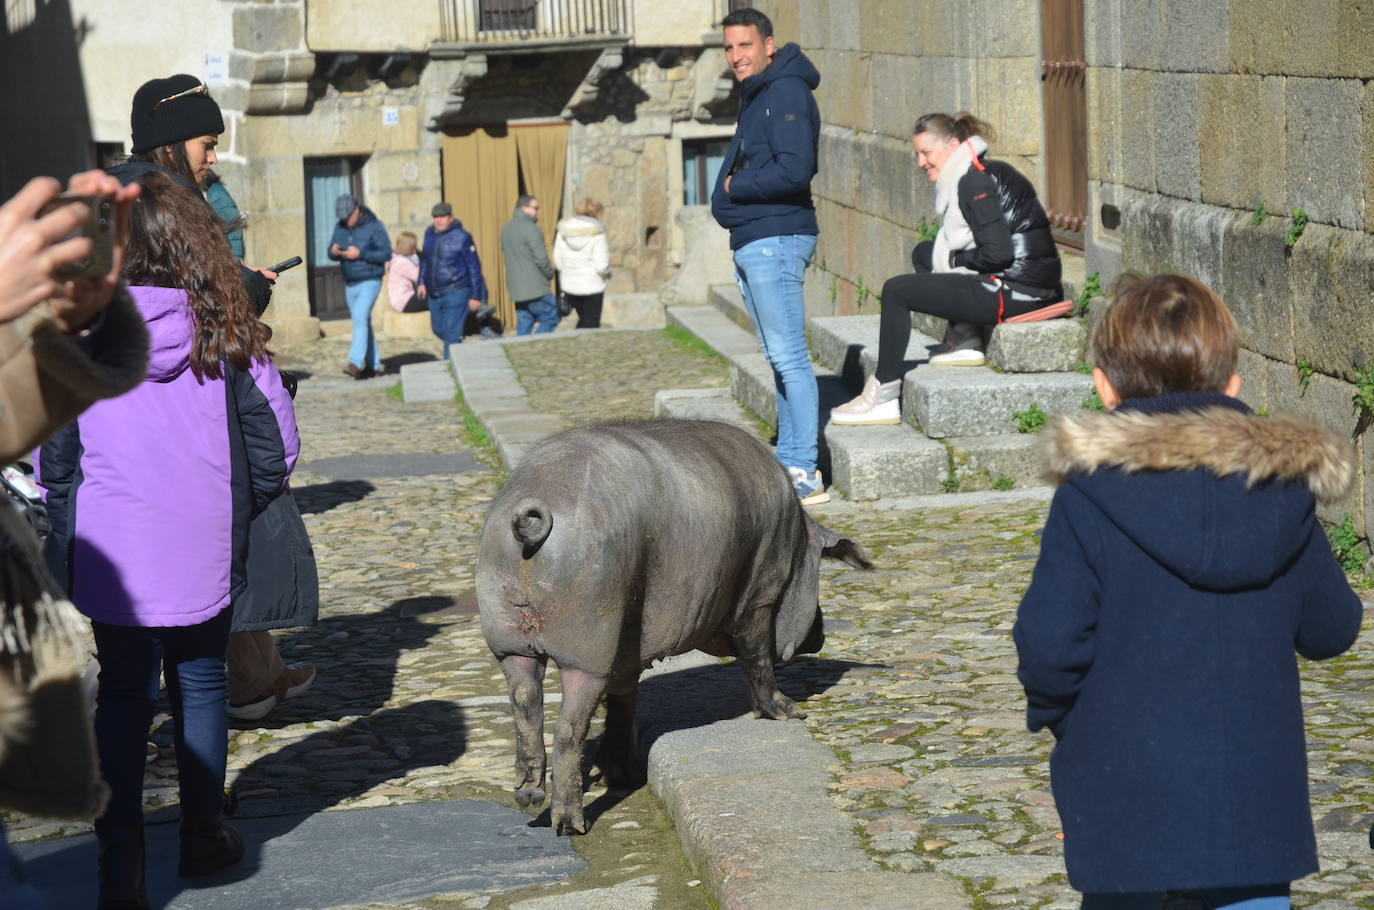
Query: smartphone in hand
99	226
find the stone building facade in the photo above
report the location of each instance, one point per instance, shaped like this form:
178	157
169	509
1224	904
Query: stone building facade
323	94
1197	112
882	65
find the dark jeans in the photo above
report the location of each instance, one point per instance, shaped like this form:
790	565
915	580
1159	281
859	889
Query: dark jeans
1252	897
588	308
960	298
192	660
447	314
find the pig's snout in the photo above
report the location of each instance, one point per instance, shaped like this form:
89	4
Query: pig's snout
531	524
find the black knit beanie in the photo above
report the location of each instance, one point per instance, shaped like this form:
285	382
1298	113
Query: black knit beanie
173	121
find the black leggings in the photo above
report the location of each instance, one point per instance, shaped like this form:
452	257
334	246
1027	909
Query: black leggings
956	297
588	307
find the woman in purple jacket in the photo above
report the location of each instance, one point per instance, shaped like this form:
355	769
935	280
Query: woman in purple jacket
151	496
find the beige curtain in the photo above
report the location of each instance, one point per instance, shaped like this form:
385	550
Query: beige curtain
481	182
482	171
543	154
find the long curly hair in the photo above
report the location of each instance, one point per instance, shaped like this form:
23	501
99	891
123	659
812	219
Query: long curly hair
175	241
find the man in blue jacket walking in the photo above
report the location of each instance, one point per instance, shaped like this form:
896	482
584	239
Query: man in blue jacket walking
763	197
362	249
450	276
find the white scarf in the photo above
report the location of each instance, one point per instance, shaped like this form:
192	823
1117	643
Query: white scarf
955	234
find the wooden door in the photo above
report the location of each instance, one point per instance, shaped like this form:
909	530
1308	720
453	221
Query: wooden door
1063	77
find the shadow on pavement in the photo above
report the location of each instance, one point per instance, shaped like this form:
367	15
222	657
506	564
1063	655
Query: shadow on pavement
394	363
696	697
314	498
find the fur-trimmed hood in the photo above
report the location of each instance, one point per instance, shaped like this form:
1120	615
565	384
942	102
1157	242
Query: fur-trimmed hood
1221	497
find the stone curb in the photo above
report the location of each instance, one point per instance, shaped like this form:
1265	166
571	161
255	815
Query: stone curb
749	797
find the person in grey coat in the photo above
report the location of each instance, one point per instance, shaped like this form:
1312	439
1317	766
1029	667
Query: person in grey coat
528	270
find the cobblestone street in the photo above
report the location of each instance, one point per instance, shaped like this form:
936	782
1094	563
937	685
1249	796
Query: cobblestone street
915	690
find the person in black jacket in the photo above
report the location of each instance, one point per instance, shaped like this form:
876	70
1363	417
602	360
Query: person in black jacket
1181	566
993	258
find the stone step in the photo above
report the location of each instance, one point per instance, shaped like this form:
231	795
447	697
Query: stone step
706	404
712	327
430	380
1075	272
1050	346
975	401
885	462
978	462
730	302
849	346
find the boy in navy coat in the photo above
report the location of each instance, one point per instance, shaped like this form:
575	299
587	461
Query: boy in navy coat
1181	567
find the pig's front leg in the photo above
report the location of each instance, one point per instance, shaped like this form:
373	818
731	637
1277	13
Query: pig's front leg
581	692
525	677
753	645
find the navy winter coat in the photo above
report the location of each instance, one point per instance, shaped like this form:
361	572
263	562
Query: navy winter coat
772	158
449	261
370	238
1181	567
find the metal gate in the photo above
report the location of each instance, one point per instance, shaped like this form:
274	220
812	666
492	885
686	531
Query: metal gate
1063	77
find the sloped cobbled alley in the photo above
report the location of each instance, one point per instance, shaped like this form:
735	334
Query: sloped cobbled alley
915	691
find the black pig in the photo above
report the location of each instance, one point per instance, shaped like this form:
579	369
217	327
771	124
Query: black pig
613	546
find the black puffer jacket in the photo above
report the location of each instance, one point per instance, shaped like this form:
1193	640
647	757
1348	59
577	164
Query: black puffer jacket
1011	234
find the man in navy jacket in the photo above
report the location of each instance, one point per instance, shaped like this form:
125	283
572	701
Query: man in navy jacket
763	197
450	275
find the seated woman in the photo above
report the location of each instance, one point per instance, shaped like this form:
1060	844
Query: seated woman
992	259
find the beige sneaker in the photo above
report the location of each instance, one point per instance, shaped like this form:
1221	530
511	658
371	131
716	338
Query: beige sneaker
877	405
964	358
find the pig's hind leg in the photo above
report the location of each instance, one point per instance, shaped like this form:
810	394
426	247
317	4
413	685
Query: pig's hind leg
581	692
753	646
525	677
617	754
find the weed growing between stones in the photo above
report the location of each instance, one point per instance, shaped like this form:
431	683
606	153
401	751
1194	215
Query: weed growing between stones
1094	402
394	392
1003	482
1305	371
1092	287
926	230
950	484
1348	547
1083	368
1363	399
1260	214
1296	226
1031	420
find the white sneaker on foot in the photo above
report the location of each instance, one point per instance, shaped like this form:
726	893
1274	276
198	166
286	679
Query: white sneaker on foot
877	405
958	359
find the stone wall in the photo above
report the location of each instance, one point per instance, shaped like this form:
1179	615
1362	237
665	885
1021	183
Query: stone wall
1209	123
882	65
625	150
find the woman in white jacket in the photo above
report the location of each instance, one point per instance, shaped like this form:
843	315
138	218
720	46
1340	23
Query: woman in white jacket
583	261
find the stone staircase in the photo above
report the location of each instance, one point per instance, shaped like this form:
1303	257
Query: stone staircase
959	430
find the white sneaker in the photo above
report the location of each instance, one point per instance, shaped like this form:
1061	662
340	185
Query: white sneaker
877	405
958	359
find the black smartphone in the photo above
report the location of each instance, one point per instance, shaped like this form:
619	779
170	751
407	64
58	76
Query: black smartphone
285	264
99	226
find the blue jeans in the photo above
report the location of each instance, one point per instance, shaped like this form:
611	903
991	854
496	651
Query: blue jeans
1253	897
192	660
770	274
543	310
448	312
362	353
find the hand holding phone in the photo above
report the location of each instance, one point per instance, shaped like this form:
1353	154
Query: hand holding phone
99	228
